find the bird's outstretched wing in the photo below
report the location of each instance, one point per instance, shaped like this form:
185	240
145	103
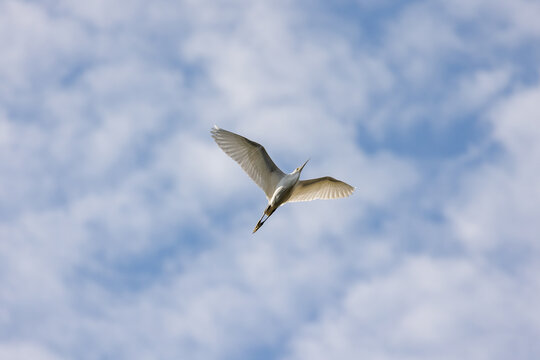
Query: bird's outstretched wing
321	188
252	157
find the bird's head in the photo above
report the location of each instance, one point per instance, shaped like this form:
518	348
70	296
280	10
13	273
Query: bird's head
299	169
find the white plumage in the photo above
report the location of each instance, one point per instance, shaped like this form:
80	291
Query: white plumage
279	187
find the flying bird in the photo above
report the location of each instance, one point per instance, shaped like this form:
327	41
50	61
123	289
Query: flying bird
279	187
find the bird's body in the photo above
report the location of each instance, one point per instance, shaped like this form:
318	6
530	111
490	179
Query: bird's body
278	186
284	189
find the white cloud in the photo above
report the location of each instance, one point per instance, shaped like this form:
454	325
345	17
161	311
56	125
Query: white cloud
479	89
25	351
419	40
499	203
427	308
37	50
126	231
504	22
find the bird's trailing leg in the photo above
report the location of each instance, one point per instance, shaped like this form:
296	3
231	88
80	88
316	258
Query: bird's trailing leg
266	212
260	223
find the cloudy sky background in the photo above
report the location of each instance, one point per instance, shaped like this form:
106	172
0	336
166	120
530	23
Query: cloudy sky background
125	232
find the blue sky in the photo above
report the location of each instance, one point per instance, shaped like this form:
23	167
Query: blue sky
125	232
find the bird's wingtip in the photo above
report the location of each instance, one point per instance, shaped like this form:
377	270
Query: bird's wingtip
216	127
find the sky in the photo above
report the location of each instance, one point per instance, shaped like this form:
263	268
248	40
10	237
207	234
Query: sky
125	232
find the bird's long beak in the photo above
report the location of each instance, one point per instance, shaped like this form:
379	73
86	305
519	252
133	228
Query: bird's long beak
304	165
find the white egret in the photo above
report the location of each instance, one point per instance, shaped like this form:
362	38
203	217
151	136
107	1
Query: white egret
279	187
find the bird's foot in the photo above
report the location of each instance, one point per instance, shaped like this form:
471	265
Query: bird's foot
259	224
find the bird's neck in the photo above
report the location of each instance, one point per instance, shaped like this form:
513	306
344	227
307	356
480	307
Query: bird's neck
295	175
290	179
